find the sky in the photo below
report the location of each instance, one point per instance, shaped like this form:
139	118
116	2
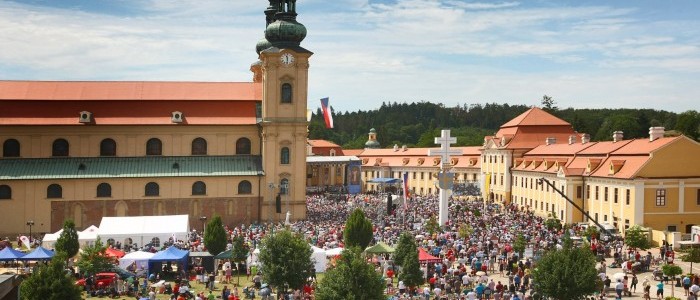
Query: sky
584	54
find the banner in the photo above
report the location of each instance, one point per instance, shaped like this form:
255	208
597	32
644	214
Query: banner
354	177
327	116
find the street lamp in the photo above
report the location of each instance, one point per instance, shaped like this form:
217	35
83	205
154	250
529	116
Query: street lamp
30	223
204	224
271	185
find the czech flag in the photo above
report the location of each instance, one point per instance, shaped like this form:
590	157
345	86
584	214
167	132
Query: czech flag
327	116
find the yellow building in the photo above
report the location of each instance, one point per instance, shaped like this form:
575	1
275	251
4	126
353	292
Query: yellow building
84	150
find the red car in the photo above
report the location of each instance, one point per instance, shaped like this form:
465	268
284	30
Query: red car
101	280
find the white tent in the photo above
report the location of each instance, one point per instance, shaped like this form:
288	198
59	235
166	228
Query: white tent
253	257
142	230
50	239
88	236
334	252
139	257
319	258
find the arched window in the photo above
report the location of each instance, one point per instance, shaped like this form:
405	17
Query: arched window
243	146
284	186
10	148
244	187
199	146
60	147
5	192
286	93
54	191
284	156
108	147
199	188
104	190
152	189
154	147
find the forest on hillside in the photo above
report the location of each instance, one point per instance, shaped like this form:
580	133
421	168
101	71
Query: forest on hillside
416	124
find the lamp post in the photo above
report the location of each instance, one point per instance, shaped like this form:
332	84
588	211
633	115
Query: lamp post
30	223
271	185
285	186
204	224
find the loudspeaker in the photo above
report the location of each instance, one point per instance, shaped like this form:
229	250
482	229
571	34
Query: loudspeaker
278	204
389	206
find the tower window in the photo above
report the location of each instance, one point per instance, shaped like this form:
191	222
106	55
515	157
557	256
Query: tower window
199	188
199	146
152	189
104	190
284	156
284	186
60	147
108	147
244	187
660	197
10	148
5	192
154	147
286	93
243	146
54	191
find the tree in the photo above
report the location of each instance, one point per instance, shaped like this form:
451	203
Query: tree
50	281
215	236
691	256
352	278
552	222
672	271
405	247
465	231
239	252
548	103
94	259
358	230
286	260
635	238
688	123
591	232
411	274
519	245
68	241
432	226
566	274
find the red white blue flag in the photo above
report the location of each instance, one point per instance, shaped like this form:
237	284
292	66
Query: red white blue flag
326	109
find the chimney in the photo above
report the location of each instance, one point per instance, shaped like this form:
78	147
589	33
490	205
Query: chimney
585	138
550	141
572	139
617	136
656	133
396	147
404	148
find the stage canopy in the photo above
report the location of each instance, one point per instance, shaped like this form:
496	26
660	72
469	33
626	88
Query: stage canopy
9	254
40	253
424	257
385	180
171	254
380	248
144	229
85	237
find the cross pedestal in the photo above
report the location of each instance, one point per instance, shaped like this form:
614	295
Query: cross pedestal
444	152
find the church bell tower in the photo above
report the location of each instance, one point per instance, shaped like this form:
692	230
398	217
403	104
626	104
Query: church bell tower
282	70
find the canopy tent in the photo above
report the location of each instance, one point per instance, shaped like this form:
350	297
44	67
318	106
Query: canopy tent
9	254
385	180
253	257
380	248
139	257
319	258
334	252
171	254
424	257
224	255
40	253
111	252
144	229
50	239
88	236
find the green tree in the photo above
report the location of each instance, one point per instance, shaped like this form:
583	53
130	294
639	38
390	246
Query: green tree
574	281
465	231
691	256
635	238
352	278
406	246
68	241
286	260
519	245
688	123
591	232
552	223
358	230
215	236
548	103
411	274
93	259
239	252
672	271
432	226
50	281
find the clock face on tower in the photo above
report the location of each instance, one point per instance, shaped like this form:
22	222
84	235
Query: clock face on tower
287	59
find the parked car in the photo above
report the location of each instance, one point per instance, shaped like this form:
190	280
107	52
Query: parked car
101	279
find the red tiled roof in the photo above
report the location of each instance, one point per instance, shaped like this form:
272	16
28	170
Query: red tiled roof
129	90
603	148
353	152
558	149
631	166
322	143
535	116
644	146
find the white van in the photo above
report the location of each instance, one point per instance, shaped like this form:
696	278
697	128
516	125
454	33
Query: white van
610	230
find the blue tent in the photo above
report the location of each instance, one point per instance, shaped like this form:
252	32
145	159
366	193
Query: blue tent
40	253
170	254
8	254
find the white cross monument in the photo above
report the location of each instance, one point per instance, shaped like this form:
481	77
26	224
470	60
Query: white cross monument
444	152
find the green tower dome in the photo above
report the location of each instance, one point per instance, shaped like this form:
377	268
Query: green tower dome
372	142
285	32
262	45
